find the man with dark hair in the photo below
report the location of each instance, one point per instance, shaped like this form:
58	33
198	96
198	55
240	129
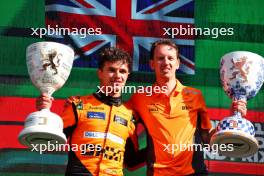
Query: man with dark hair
175	120
112	55
99	123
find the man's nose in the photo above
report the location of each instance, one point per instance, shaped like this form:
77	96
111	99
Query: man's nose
117	74
166	60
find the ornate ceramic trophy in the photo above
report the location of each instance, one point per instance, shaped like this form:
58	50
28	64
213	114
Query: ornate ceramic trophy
49	65
242	75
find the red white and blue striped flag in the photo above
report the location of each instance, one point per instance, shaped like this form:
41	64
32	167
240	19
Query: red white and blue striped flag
130	24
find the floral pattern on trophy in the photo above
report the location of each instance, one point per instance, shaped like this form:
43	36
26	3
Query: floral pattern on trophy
242	75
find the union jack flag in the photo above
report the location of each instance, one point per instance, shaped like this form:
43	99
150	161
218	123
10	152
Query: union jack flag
129	24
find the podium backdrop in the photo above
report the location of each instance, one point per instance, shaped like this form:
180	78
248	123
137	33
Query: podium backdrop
133	25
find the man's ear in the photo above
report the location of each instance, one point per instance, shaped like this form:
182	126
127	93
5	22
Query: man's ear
151	64
178	63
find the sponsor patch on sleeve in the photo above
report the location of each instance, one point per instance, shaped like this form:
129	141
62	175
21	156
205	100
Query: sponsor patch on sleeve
96	115
120	120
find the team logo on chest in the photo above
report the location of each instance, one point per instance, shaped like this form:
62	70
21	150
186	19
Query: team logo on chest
120	120
96	115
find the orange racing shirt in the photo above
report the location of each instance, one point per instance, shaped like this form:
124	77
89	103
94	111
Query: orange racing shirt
97	133
173	122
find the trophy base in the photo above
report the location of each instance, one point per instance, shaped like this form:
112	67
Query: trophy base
42	127
244	144
40	135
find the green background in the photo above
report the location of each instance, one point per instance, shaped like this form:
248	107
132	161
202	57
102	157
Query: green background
246	17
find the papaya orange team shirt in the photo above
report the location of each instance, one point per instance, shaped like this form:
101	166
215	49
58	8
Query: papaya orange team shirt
100	132
171	123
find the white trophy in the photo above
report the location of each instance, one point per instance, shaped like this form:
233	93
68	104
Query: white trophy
49	65
242	76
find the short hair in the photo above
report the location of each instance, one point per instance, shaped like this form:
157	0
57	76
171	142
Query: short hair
113	54
163	42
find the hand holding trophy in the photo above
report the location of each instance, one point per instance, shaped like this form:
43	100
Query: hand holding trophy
242	76
49	65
